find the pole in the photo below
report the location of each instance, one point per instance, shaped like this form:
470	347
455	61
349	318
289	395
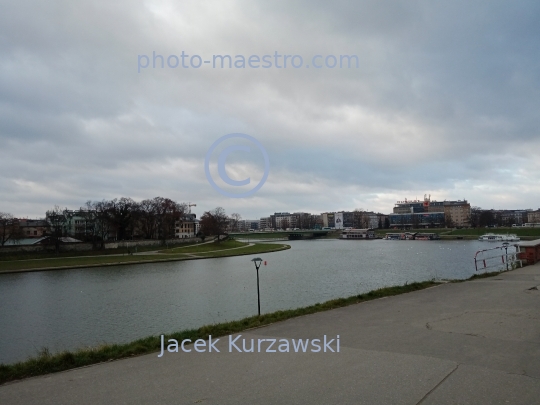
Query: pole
258	293
506	256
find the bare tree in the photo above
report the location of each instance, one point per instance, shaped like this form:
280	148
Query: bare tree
146	218
9	228
121	215
487	218
214	222
89	218
56	221
360	219
474	217
168	214
235	219
102	222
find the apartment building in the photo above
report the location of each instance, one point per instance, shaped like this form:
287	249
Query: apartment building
533	216
457	213
283	220
245	225
265	223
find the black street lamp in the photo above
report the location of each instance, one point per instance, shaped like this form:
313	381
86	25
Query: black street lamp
257	261
505	246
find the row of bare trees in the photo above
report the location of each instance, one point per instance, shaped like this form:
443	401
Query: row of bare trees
118	219
481	218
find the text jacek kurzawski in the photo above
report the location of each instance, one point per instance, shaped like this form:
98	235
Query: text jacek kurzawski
237	344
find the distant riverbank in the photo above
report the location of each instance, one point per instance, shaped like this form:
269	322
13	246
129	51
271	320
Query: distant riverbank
190	252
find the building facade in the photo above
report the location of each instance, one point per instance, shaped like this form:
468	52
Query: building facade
33	228
457	213
428	213
328	219
533	216
283	220
265	223
187	227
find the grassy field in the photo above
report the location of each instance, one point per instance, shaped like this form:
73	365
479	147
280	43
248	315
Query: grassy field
52	255
190	252
255	249
520	231
262	235
47	363
206	247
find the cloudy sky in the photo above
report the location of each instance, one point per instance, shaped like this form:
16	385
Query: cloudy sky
444	101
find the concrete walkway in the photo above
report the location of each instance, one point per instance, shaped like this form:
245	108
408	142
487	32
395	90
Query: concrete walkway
459	343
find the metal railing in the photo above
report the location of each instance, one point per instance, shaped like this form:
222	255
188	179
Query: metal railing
500	258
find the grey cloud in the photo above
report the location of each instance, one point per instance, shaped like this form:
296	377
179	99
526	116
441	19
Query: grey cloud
446	94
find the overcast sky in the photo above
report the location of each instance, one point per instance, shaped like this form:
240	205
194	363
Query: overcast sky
445	101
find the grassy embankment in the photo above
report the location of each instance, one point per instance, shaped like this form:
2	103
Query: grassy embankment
519	231
470	233
221	249
51	254
47	363
259	235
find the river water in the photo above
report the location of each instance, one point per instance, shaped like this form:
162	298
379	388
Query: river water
68	309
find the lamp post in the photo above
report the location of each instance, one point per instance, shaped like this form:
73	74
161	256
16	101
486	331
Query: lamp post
505	245
257	261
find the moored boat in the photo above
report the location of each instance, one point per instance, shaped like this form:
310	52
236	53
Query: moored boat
492	237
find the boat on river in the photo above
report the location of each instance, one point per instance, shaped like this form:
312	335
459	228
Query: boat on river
493	237
411	236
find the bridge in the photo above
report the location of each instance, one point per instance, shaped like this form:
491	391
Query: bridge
291	235
307	234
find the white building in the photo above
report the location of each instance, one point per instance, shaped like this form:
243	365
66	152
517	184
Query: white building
187	227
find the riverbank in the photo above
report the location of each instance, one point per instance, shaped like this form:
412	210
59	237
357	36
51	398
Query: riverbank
473	343
190	252
51	363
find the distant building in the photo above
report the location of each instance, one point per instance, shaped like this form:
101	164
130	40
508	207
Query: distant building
33	228
352	219
329	219
283	220
511	217
187	227
417	220
533	216
265	223
457	213
428	213
244	225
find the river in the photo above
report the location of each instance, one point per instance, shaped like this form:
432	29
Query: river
68	309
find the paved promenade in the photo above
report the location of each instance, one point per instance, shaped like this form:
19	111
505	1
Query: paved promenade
466	343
